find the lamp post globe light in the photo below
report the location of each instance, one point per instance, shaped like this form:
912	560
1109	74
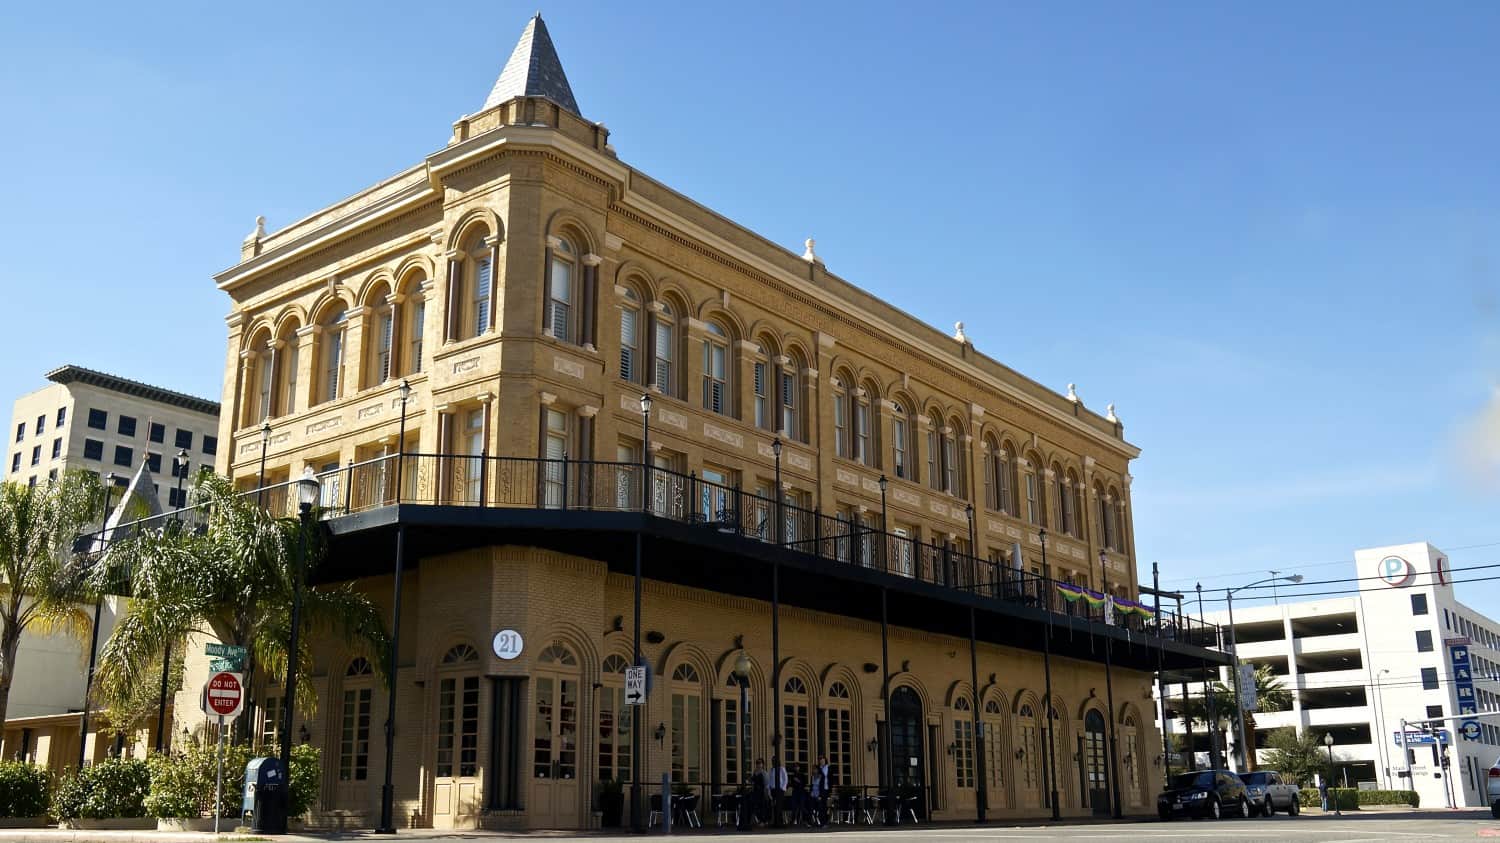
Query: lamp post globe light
308	491
1245	756
1328	742
260	479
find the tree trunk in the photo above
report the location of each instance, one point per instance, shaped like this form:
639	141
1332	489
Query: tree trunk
10	645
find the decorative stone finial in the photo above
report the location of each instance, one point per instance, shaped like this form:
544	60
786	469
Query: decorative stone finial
260	230
958	332
810	256
1072	394
1110	414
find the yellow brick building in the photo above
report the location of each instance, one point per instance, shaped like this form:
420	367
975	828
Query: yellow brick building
530	288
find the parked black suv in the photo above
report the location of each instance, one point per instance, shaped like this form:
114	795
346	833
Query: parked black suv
1205	793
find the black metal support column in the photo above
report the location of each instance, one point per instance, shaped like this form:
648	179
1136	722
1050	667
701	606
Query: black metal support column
1161	688
974	757
388	789
637	815
1109	698
887	775
1047	708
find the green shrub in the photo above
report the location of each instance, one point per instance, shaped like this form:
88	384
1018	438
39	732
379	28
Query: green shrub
113	788
1389	797
182	785
304	775
23	789
1350	799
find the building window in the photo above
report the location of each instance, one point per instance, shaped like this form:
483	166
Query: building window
332	358
994	747
663	345
270	724
41	425
841	419
1429	679
734	743
15	461
795	727
415	333
1419	604
20	431
62	416
479	305
1064	502
385	337
791	426
1434	711
963	744
555	451
98	420
838	735
123	455
93	449
210	445
862	451
560	290
614	722
758	386
156	432
1424	640
56	448
354	738
900	443
125	426
176	498
630	337
36	454
716	394
687	724
1033	511
183	439
953	478
153	462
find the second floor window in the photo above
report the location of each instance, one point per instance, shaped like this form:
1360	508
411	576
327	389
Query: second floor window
789	423
630	338
332	362
841	424
663	344
418	324
560	291
862	451
385	328
761	375
716	396
484	273
1033	512
899	462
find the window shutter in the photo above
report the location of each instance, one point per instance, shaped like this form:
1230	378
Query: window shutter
482	281
628	340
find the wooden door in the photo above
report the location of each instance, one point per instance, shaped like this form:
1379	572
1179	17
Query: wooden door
456	799
555	795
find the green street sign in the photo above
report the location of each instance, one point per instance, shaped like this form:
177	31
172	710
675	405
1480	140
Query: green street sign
227	651
218	665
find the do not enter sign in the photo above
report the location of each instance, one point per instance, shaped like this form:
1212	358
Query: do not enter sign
224	695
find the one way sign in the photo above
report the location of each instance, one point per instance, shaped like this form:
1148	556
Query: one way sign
635	686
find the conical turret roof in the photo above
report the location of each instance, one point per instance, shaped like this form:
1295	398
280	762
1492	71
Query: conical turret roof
533	70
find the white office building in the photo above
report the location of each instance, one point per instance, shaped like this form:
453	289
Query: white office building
1403	647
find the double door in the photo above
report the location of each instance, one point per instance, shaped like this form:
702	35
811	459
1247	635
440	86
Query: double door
555	797
455	790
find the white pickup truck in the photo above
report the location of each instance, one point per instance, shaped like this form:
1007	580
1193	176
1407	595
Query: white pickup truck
1268	793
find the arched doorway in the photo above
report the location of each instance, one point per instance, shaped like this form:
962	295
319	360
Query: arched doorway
1096	763
555	759
907	765
456	771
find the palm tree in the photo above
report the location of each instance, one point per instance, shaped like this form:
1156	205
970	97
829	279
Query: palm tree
232	576
41	581
1270	695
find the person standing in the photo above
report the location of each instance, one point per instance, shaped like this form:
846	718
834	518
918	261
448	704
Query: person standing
778	790
820	788
1323	792
760	790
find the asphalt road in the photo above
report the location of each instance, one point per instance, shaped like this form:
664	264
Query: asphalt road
1370	827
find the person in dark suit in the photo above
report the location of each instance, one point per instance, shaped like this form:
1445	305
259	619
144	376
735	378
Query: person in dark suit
778	791
818	792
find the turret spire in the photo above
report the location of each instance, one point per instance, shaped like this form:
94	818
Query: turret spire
533	70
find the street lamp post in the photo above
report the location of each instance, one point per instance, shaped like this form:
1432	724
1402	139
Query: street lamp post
1380	722
1213	699
1109	693
260	479
776	618
163	738
388	789
1047	674
1246	754
885	529
308	490
742	678
1328	742
637	814
88	682
780	498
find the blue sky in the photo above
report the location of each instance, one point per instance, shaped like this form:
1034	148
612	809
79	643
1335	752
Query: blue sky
1265	231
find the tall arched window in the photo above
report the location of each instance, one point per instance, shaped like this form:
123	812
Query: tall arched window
664	350
411	319
285	400
935	449
1105	534
955	477
380	337
262	370
1029	745
331	355
863	398
630	337
762	386
1064	501
901	461
842	392
963	743
1036	492
354	733
788	395
717	366
795	727
562	284
1132	761
458	714
1005	480
471	285
1117	510
838	734
614	722
687	725
1080	512
994	751
555	730
734	741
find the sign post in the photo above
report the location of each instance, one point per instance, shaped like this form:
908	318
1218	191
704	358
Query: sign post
1247	688
223	697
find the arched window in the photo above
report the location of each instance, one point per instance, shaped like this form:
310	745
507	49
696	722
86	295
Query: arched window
471	286
795	727
901	462
1064	501
411	320
354	732
1036	493
863	418
717	366
261	370
555	729
457	735
614	721
838	734
557	654
935	448
331	356
1080	512
285	400
380	338
459	654
1132	761
762	385
842	409
955	477
1005	480
963	744
1029	750
630	337
735	732
687	725
1117	510
1105	534
788	396
664	350
562	283
994	750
